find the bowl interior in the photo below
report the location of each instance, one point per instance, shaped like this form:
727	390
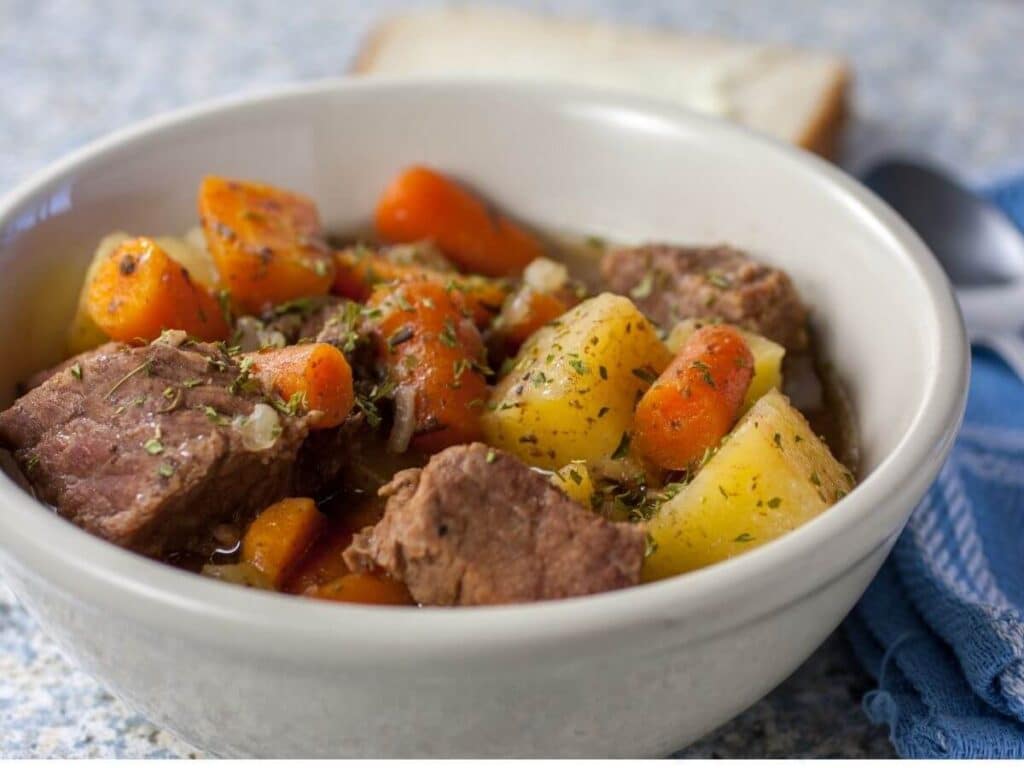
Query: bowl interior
575	163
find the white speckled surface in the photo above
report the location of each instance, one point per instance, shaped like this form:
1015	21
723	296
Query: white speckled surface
936	77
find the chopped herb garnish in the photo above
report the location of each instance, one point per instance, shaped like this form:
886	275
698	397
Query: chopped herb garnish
774	502
492	456
295	306
815	479
224	302
705	372
645	374
31	462
213	416
146	366
744	538
153	446
165	470
76	371
650	545
448	337
578	365
719	280
576	476
643	289
402	302
189	383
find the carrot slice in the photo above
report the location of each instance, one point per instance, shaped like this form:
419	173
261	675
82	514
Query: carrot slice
267	242
696	400
367	588
360	269
139	291
314	375
435	356
422	204
280	536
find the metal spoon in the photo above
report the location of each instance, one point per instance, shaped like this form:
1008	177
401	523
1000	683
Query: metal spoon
978	246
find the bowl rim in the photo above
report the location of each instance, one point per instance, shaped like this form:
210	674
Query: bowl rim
105	575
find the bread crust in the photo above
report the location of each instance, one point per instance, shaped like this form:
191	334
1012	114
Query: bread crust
822	135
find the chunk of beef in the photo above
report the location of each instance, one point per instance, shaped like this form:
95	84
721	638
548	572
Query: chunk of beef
303	320
137	445
671	283
478	527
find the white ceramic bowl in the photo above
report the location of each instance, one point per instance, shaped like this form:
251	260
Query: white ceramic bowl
637	672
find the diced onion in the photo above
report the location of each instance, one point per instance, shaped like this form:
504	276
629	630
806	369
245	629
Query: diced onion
260	429
545	275
251	335
405	420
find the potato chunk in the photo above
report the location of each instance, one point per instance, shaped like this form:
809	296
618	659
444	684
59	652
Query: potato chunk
771	475
575	383
767	358
575	480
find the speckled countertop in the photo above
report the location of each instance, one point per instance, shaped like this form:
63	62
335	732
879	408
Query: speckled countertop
936	77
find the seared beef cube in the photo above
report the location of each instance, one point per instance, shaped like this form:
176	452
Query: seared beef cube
478	527
144	446
672	283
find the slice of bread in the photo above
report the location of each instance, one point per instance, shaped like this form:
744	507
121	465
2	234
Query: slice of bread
794	95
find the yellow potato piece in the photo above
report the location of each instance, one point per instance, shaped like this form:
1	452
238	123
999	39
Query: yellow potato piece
767	358
771	475
571	394
575	480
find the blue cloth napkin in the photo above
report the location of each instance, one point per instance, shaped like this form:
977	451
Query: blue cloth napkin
941	628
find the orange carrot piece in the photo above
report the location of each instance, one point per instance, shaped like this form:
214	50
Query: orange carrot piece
267	242
435	352
280	536
323	562
359	270
139	291
422	204
367	588
695	402
527	312
317	375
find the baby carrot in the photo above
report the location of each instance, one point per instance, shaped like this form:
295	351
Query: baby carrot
139	291
314	375
434	354
695	402
422	204
280	536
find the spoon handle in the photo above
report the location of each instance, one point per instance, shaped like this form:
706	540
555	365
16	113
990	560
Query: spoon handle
1009	346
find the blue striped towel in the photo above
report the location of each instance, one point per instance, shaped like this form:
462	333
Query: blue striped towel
941	628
